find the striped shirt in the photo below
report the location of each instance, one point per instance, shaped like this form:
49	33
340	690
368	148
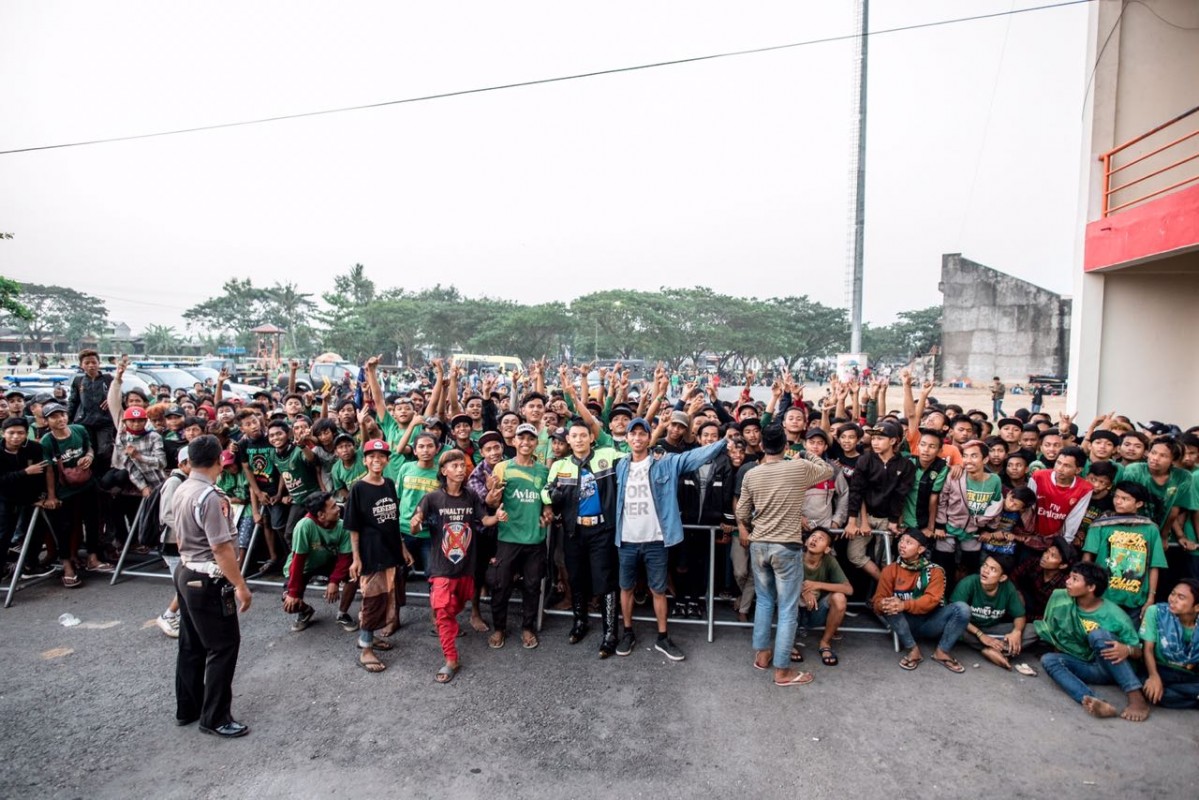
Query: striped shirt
772	498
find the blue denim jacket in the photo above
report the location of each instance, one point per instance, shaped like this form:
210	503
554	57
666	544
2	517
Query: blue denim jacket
664	475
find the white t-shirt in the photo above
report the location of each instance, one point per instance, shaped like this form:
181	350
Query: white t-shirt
640	514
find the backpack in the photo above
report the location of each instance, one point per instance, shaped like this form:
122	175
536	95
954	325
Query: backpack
149	527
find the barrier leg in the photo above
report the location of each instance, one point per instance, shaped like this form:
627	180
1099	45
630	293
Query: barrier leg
712	584
20	565
887	555
250	547
132	528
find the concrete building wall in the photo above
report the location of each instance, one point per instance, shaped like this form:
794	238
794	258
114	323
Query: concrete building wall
995	324
1144	75
1147	354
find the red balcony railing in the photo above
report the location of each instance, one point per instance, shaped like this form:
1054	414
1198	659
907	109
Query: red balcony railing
1173	174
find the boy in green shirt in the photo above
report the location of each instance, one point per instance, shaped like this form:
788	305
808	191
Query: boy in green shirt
1129	546
348	467
319	546
1080	624
997	626
1167	484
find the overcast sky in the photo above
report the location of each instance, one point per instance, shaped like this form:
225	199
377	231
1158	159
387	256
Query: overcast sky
730	173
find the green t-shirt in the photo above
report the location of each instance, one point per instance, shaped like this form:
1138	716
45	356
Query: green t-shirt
412	483
67	453
234	485
522	502
936	483
1192	503
320	546
1066	626
827	571
1119	470
393	431
985	610
1149	633
1176	490
1129	546
298	475
344	477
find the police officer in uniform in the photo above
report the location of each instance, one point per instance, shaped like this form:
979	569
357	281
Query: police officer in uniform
211	591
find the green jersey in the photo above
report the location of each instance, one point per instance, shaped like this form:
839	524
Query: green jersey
986	610
297	474
1066	626
1129	546
522	502
344	477
929	480
1164	497
393	432
234	485
412	483
320	546
1192	504
67	453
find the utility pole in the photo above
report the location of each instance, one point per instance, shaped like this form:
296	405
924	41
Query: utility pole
859	178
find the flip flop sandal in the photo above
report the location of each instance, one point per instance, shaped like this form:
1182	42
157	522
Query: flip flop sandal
496	640
951	664
1025	669
373	667
828	656
73	582
378	644
909	663
799	680
796	655
446	674
529	641
758	666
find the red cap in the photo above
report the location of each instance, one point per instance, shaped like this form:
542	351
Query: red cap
135	412
227	458
376	446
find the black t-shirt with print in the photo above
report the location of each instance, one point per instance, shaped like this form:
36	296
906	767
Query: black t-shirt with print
260	455
374	514
453	523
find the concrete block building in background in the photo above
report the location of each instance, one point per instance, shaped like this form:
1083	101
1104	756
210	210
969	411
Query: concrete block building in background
1133	346
995	324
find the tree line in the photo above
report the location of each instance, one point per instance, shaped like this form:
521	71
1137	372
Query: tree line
357	319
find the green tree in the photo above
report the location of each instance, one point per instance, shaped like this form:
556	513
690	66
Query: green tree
9	304
160	339
57	312
240	307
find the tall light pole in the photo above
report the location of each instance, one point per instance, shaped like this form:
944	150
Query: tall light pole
859	190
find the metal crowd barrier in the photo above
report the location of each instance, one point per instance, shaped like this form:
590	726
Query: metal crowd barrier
16	582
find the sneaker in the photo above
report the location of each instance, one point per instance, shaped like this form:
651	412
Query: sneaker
269	567
169	624
304	618
627	643
36	570
695	610
668	648
347	623
679	609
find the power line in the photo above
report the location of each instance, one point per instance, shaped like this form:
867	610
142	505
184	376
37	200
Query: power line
542	81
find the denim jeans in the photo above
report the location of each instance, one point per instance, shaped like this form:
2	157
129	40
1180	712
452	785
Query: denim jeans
1179	689
778	582
947	624
1073	674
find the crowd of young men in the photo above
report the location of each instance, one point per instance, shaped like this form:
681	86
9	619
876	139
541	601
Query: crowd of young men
1009	534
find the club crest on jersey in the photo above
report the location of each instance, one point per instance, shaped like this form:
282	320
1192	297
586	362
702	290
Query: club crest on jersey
455	541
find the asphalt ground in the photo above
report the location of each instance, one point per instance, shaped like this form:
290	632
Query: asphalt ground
87	712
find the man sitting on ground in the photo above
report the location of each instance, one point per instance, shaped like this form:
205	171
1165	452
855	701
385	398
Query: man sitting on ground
823	599
320	545
1095	640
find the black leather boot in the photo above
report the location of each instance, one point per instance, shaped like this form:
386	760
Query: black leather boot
611	627
578	631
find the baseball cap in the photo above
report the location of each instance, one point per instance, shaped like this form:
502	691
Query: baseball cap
53	408
889	429
134	412
559	434
376	446
490	436
1003	423
227	458
749	422
42	398
817	433
621	408
344	437
174	411
459	418
14	393
525	427
1106	435
641	422
680	418
183	456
